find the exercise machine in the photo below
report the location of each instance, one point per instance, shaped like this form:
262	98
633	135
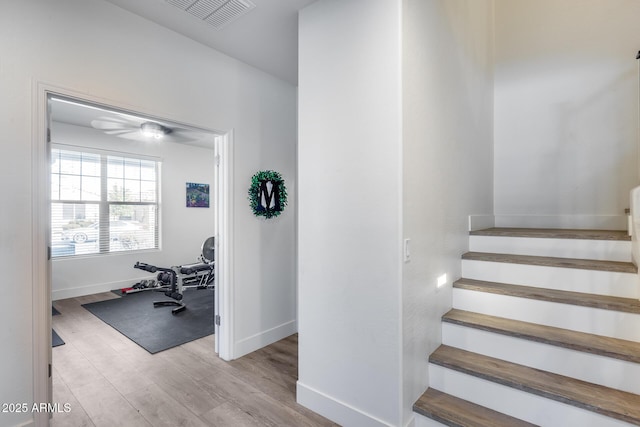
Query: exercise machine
176	279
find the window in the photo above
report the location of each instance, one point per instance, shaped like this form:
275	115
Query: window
102	203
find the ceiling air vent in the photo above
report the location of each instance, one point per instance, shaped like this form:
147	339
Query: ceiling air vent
216	13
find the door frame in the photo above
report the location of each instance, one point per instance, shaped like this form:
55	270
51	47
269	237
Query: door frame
224	301
41	234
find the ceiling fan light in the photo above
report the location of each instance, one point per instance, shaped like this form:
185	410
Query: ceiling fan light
153	130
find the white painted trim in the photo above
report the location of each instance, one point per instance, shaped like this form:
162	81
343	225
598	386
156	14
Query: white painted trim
480	222
218	213
422	421
90	289
264	338
595	222
224	254
411	422
41	270
341	412
634	220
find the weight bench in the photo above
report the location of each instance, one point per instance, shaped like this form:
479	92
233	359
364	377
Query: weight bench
176	279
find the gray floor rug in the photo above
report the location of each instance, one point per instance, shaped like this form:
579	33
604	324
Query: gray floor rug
156	329
55	338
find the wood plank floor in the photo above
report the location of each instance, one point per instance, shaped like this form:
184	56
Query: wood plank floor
108	380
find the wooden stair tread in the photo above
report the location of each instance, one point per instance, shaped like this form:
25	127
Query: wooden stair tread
585	264
554	233
580	341
453	411
613	403
605	302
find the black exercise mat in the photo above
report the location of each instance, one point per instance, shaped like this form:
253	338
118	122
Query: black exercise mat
54	312
156	329
55	339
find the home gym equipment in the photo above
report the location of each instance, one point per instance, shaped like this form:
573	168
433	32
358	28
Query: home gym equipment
176	279
143	285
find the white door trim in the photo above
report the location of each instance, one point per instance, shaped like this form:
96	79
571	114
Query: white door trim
224	242
41	266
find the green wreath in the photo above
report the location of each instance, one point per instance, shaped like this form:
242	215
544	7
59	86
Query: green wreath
267	201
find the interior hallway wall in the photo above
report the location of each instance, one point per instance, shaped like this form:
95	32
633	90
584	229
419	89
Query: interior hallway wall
93	47
350	204
566	111
447	162
395	142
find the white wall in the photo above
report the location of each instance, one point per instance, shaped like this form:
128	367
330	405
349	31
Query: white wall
448	161
264	250
182	229
566	111
92	47
350	203
395	141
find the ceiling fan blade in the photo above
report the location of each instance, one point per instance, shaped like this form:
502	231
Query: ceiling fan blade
118	132
185	135
130	128
133	134
110	123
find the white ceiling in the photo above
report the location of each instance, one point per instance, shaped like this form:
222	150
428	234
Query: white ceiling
266	37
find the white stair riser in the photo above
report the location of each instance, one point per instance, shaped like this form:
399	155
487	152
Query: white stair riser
422	421
566	279
611	250
584	319
514	402
589	367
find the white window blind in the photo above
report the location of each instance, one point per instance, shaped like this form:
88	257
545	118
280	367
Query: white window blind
102	202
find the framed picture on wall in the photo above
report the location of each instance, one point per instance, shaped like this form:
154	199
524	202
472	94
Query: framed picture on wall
197	195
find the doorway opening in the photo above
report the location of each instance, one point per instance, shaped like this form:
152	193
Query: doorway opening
65	122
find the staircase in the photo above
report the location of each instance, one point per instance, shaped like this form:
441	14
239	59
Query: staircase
544	330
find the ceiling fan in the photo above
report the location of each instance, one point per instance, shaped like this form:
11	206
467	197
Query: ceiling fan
139	129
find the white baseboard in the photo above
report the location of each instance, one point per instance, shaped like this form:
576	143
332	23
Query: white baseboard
595	222
264	338
480	222
411	422
30	423
333	409
57	294
422	421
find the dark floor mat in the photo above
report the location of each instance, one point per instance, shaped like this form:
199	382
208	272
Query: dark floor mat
54	311
55	339
156	329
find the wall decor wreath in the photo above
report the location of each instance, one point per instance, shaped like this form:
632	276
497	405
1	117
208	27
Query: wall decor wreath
267	194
